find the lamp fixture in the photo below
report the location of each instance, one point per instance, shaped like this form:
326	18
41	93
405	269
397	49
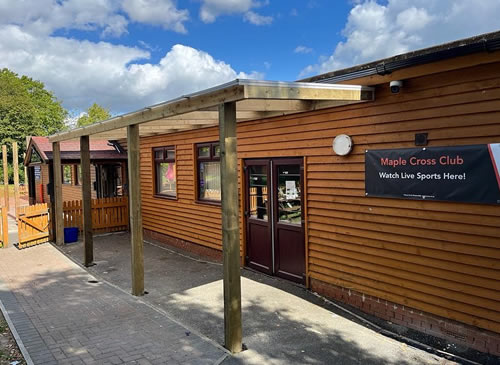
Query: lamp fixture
342	144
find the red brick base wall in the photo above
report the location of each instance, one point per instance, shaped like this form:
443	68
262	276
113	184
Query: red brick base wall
458	333
184	245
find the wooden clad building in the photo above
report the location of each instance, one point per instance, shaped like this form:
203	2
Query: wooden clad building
107	176
305	211
430	265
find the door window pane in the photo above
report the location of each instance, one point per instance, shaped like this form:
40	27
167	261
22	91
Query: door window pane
216	151
166	178
289	194
258	192
209	180
204	151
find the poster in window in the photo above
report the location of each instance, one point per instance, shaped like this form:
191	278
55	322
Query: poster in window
291	189
38	174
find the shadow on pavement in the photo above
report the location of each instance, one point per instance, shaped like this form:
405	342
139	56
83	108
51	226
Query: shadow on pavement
282	323
66	315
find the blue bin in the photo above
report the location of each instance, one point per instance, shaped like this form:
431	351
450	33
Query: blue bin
70	234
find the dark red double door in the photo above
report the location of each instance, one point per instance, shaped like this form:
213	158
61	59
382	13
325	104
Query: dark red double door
274	217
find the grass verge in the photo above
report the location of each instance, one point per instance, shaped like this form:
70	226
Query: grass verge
9	352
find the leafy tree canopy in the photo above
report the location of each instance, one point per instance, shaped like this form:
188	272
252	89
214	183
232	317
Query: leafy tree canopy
27	109
95	113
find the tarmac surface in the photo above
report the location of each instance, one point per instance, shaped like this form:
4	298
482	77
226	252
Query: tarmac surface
282	323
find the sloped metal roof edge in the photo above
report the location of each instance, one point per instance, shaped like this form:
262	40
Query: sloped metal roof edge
487	42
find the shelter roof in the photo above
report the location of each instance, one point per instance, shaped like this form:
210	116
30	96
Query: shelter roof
254	100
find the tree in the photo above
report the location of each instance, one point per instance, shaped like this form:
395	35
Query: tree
95	113
27	109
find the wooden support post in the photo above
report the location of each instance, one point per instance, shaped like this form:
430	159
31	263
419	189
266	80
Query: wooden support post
5	228
57	211
230	227
88	241
26	185
134	188
5	177
15	163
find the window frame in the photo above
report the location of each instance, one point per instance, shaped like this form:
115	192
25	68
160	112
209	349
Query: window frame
76	173
198	160
163	159
71	177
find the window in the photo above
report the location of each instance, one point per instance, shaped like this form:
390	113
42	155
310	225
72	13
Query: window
67	174
35	157
208	158
164	158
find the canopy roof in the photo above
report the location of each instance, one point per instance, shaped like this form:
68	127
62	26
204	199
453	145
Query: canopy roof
254	100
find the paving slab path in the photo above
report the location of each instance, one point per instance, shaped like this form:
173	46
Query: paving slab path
282	323
64	315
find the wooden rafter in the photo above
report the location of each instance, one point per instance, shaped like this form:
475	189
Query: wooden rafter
254	100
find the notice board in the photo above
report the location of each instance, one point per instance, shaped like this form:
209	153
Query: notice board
458	173
38	173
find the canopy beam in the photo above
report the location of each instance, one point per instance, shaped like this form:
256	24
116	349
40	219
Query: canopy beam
255	100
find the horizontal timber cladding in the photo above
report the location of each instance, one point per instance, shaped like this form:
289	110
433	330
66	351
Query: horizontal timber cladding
439	257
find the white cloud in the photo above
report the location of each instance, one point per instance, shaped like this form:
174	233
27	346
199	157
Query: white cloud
46	16
413	19
182	70
211	9
302	49
157	12
148	46
374	30
83	72
257	19
118	77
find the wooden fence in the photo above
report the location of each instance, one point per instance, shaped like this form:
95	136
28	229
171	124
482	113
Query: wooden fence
4	228
254	197
108	214
33	224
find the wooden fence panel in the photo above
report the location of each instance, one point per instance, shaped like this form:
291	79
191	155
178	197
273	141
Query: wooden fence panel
33	224
108	214
253	199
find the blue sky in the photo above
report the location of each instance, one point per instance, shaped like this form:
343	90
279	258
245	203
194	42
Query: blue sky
268	49
127	54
